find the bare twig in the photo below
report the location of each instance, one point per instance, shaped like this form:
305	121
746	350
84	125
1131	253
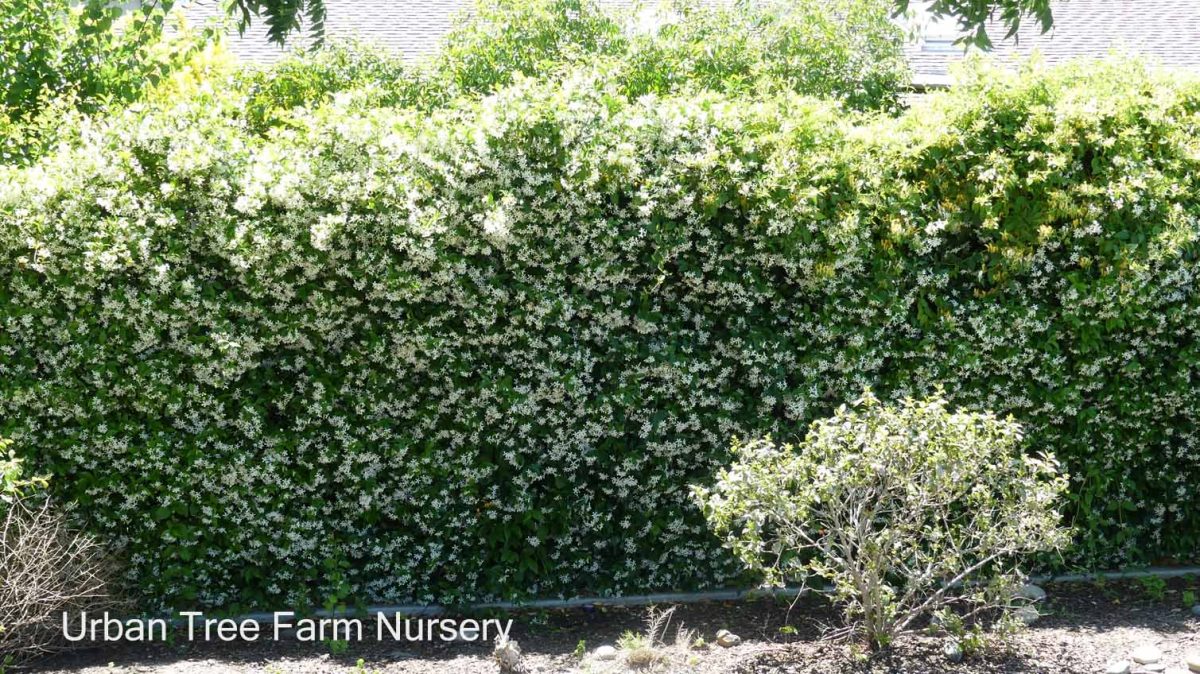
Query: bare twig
46	568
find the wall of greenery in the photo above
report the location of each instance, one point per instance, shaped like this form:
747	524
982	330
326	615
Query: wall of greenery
345	350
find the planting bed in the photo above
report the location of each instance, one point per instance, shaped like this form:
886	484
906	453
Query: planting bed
1084	628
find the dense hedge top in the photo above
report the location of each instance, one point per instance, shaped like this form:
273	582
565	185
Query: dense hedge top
483	351
848	51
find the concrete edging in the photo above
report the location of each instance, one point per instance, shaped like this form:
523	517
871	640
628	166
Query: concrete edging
416	610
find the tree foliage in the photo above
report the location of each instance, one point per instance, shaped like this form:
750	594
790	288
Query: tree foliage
58	56
287	17
974	15
842	50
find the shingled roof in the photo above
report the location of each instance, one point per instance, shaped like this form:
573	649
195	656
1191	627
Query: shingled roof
1165	30
412	27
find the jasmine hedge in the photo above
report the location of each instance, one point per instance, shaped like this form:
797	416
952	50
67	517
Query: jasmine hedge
482	351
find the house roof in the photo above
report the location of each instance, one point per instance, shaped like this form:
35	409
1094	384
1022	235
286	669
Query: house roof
1167	31
413	27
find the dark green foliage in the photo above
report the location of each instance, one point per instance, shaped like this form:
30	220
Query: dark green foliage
482	349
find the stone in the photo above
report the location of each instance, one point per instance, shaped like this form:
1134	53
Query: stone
1117	667
952	650
1027	614
727	639
1031	592
1154	667
1196	610
508	655
1146	654
605	652
1192	660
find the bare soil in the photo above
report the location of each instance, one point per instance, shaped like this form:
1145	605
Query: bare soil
1084	627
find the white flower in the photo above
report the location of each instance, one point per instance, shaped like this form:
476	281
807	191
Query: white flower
496	225
321	230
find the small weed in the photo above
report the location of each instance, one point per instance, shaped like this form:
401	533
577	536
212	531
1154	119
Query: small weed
973	640
1154	587
858	653
649	649
580	649
1189	598
1105	588
971	635
639	651
644	658
337	646
631	640
360	667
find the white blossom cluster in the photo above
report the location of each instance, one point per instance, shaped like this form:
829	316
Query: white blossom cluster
483	352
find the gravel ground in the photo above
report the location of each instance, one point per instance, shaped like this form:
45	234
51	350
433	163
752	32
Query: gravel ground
1084	628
